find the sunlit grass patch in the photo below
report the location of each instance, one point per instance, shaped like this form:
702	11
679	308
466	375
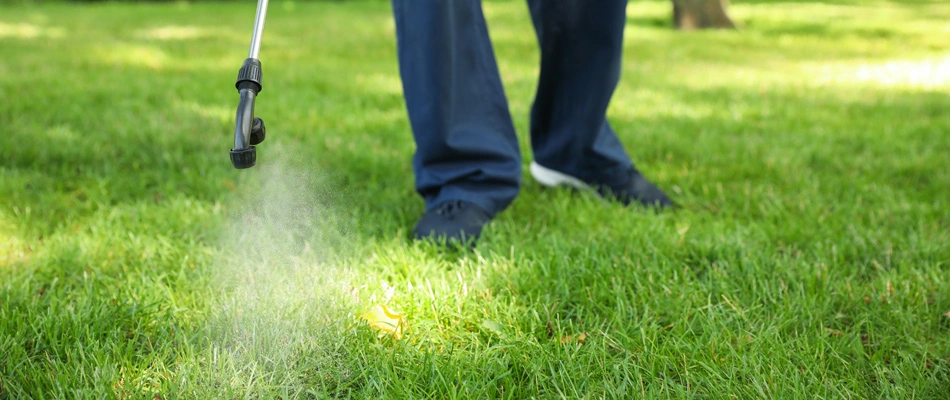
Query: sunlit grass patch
172	32
25	30
932	73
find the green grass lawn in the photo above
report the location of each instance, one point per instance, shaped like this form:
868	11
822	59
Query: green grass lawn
811	259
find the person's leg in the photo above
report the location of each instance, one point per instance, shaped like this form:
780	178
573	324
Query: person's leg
581	49
466	148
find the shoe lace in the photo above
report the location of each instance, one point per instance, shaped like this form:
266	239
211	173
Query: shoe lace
450	208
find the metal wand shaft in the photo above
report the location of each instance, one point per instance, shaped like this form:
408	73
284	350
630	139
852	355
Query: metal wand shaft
258	29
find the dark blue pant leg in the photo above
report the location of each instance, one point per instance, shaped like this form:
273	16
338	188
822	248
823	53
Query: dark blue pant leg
581	47
466	148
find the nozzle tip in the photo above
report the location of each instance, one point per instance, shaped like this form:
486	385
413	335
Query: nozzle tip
244	158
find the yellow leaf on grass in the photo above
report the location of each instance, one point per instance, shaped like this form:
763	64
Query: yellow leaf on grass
382	318
579	339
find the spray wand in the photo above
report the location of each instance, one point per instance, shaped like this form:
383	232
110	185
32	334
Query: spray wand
249	130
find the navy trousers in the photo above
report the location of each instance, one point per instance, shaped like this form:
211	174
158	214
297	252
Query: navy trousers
466	148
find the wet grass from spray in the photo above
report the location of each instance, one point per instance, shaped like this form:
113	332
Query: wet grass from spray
810	258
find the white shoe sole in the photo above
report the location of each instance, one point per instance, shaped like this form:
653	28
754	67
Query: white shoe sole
551	178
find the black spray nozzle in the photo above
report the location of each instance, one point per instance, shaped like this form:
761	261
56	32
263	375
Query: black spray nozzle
244	158
250	75
248	130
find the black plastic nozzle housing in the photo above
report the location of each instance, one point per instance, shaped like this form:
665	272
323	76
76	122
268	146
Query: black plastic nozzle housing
244	158
248	130
258	131
250	75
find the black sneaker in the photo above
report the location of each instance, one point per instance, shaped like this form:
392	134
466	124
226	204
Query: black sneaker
454	220
636	189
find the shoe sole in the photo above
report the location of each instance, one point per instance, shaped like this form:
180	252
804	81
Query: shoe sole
551	178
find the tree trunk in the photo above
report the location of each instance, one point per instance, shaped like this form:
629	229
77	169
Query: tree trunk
701	14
